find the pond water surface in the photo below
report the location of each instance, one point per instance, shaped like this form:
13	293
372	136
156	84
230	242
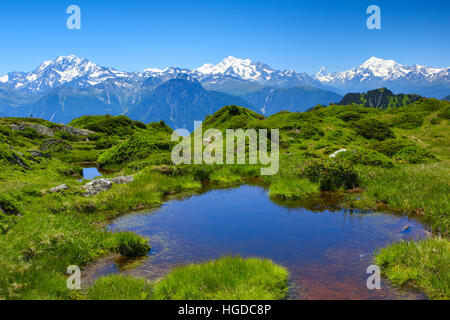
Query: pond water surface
326	252
91	173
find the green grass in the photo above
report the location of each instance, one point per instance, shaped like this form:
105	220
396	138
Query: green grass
293	188
419	190
119	287
228	278
53	231
130	244
424	264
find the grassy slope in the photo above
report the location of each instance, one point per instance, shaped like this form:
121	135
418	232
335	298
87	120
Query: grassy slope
67	229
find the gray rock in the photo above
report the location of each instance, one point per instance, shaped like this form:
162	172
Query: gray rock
55	145
122	179
96	186
38	154
59	188
76	131
46	131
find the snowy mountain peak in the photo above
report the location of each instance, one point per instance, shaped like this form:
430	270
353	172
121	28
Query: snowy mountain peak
322	71
375	69
232	66
377	62
63	69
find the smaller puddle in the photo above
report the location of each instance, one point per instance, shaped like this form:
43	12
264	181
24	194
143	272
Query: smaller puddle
91	173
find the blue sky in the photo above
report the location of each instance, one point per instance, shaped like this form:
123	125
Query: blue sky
300	35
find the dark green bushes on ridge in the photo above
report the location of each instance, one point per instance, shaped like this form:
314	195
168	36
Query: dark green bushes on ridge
415	155
374	129
366	157
110	125
137	147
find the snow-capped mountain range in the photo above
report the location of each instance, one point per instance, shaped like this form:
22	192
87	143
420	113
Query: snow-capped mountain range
375	68
371	74
68	87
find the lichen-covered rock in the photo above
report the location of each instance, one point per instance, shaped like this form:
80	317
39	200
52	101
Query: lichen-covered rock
122	179
76	131
55	145
38	154
46	131
59	188
96	186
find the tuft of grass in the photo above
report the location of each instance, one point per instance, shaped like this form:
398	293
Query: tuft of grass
227	278
293	188
119	287
130	244
423	263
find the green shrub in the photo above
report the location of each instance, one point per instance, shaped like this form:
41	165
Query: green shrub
366	157
110	125
331	175
137	147
349	116
130	244
444	113
105	143
409	120
8	204
390	147
374	129
120	287
201	173
415	155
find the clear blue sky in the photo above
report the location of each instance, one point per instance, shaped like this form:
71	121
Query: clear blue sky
300	35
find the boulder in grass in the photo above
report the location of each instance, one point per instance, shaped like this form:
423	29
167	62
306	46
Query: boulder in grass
59	188
76	131
122	179
96	186
46	131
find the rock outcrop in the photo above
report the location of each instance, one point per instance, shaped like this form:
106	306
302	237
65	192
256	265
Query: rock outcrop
96	186
59	188
76	131
122	179
46	131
